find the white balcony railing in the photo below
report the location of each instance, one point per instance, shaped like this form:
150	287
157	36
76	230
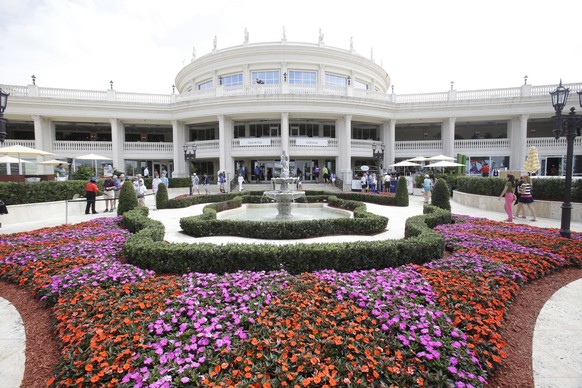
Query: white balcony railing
81	146
164	147
277	89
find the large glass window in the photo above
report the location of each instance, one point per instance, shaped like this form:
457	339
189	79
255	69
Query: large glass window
202	133
302	77
205	85
304	130
264	130
239	131
364	132
360	85
335	80
329	130
232	80
266	77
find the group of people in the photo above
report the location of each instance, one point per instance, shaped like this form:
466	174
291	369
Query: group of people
195	179
112	187
372	183
518	193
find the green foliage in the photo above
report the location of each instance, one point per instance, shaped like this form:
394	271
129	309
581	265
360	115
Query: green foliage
402	192
440	195
127	199
162	197
17	193
146	249
83	173
363	223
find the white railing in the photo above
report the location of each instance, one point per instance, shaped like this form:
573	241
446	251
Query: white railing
331	143
482	144
418	146
24	143
148	147
81	146
276	89
144	98
72	94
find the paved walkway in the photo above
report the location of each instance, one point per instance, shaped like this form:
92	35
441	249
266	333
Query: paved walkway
557	343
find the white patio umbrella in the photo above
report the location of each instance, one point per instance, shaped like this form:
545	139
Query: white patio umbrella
441	157
444	163
404	164
21	151
94	158
419	159
54	162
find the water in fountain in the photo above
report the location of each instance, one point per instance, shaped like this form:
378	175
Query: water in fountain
284	197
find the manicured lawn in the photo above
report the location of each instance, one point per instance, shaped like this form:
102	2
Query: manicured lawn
434	325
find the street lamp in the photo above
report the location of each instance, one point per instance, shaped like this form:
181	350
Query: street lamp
379	156
570	126
189	157
3	103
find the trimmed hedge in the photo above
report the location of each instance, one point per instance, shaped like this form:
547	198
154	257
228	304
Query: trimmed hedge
17	193
146	249
207	224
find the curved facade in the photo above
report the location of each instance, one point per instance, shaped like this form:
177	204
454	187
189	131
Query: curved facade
242	106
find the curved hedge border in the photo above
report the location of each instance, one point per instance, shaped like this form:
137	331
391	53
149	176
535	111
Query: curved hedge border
146	249
206	224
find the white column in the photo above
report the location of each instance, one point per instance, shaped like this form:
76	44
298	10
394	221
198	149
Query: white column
285	132
518	141
225	130
389	132
117	142
179	136
448	136
42	142
344	133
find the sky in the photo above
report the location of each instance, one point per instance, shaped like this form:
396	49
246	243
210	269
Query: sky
423	45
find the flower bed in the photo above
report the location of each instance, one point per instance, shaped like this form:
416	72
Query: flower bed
439	324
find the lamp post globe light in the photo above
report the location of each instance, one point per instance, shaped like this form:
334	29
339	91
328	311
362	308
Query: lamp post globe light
570	126
190	157
3	103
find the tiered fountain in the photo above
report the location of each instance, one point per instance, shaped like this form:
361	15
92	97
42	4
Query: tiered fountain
284	197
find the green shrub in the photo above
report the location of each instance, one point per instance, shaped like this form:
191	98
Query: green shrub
127	199
17	193
402	192
147	250
440	195
83	173
162	197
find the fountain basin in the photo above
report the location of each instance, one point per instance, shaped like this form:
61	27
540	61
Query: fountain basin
269	212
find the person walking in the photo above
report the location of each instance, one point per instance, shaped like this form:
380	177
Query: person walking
109	193
206	184
91	190
156	183
526	197
141	192
116	191
221	181
426	188
195	183
240	180
519	209
61	172
507	192
165	179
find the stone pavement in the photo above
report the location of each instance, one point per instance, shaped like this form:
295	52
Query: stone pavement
557	343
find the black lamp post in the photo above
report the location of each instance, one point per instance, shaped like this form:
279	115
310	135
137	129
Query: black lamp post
379	156
570	126
189	157
3	103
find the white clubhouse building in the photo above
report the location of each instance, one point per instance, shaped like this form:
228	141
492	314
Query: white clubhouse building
324	106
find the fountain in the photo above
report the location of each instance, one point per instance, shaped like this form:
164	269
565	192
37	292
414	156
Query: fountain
284	197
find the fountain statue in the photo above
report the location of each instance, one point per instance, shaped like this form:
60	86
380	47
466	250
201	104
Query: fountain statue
284	197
